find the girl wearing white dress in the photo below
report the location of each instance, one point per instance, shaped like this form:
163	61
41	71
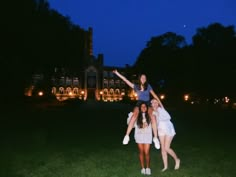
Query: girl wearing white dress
166	132
143	138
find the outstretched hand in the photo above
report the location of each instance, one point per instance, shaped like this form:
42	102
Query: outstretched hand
115	71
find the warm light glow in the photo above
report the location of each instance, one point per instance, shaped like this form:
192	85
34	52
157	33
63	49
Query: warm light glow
122	93
101	92
226	99
186	97
162	97
82	92
70	93
40	93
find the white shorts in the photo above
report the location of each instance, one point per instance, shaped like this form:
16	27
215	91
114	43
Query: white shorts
166	128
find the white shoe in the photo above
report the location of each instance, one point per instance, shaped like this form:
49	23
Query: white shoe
148	171
143	171
126	139
156	143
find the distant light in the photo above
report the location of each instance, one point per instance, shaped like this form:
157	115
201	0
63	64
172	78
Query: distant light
40	93
216	101
101	92
186	97
162	97
226	99
234	106
82	92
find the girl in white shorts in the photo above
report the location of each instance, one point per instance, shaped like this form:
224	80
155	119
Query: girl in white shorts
166	132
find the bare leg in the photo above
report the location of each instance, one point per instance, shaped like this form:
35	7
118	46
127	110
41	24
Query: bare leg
168	140
141	155
153	121
132	120
163	153
147	154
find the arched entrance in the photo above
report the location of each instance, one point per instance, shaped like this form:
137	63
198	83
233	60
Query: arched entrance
91	82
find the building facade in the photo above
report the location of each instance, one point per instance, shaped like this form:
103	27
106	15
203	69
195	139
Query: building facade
91	81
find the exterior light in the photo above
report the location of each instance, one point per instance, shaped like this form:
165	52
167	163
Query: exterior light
101	92
162	97
82	92
186	97
40	93
226	99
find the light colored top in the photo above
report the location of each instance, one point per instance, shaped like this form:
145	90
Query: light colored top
161	114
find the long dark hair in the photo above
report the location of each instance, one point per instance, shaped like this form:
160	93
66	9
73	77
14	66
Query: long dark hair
145	85
140	116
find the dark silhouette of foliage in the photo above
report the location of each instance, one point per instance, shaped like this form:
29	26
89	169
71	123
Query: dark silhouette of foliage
207	66
162	58
36	38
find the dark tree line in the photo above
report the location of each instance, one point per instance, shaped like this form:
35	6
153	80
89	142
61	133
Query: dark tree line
207	66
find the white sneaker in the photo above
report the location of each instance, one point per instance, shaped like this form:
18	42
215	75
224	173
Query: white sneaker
143	171
148	171
126	139
156	143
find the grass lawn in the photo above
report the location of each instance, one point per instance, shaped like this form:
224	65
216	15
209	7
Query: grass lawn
85	140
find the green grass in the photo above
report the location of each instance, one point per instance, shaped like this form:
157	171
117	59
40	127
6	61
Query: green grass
85	141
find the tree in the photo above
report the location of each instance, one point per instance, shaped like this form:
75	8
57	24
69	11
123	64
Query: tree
34	37
161	59
214	48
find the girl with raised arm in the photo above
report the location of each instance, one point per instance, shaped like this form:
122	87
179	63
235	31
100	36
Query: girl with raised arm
143	90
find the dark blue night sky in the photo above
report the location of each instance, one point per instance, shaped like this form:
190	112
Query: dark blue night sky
122	28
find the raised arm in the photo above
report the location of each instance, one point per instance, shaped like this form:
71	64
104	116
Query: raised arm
156	97
124	78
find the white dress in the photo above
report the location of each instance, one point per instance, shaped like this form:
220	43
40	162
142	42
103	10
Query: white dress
164	125
141	135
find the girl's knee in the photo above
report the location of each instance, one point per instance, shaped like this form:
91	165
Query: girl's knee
163	152
146	153
167	149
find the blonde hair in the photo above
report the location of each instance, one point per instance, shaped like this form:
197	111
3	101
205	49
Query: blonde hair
154	99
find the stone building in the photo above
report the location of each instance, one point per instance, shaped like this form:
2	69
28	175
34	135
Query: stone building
91	81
